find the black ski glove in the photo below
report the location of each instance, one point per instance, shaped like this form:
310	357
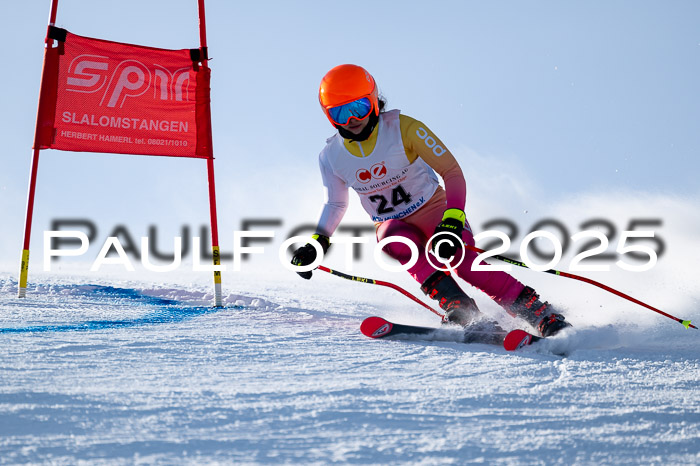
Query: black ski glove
306	254
452	222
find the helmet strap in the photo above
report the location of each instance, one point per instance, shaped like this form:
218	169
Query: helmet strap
364	134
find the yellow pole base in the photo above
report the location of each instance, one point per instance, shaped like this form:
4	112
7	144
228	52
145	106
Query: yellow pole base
218	301
23	274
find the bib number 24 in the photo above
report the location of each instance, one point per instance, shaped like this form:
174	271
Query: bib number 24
398	196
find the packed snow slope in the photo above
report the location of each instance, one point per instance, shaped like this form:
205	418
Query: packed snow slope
123	371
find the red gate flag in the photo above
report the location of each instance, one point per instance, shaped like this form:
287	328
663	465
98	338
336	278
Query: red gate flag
103	96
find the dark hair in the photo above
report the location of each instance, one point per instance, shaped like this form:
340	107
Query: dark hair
381	100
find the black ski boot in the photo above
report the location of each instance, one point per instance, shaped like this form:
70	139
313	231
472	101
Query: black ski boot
459	308
539	314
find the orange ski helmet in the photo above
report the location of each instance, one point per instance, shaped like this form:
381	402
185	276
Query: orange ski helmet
346	84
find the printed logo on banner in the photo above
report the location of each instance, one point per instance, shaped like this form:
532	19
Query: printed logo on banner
122	98
130	78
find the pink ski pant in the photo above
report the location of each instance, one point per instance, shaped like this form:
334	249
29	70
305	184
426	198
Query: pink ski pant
419	227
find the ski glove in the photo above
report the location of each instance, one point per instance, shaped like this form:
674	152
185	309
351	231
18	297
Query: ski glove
306	254
452	222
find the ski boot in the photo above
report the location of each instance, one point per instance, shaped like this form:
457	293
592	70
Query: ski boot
459	308
539	314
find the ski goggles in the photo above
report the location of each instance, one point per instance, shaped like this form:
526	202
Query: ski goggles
358	109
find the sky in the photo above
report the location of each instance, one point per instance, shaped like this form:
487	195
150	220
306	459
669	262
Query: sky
552	108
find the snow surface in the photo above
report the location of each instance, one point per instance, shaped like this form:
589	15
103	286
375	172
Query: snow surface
101	370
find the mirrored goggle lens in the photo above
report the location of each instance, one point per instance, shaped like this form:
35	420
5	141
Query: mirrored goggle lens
358	109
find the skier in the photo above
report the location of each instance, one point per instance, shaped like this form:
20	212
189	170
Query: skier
391	160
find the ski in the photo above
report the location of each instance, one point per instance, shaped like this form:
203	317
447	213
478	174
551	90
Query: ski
378	327
516	339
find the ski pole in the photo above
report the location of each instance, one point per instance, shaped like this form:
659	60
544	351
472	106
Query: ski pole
685	323
382	283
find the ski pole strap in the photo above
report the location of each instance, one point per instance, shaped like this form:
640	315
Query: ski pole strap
372	281
685	323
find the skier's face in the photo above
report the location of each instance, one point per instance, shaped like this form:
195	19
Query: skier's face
355	126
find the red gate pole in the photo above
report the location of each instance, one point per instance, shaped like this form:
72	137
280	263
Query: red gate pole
45	77
210	166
